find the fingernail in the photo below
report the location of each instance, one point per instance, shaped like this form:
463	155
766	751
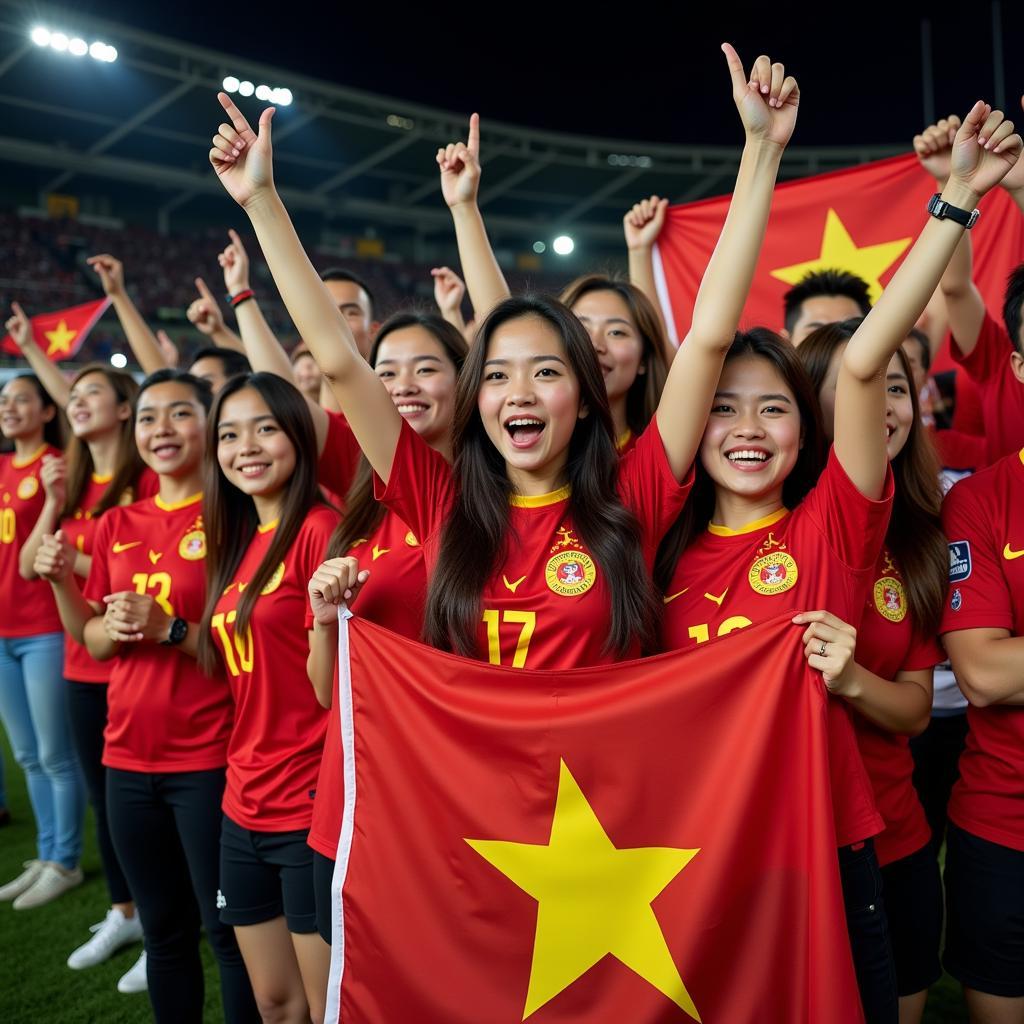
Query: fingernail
764	88
981	141
237	151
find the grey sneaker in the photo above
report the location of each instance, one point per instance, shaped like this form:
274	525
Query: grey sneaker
14	888
53	881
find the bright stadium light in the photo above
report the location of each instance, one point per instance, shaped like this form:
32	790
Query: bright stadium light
78	47
119	360
563	245
539	247
263	92
231	84
246	88
58	42
41	36
282	96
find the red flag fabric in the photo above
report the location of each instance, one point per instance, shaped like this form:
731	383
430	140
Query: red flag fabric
647	842
60	334
863	219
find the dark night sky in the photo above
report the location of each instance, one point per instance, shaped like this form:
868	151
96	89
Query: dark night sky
646	76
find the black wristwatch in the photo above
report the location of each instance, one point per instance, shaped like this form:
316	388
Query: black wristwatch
939	208
178	632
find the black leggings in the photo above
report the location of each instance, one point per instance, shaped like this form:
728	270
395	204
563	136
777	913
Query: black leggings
166	830
87	710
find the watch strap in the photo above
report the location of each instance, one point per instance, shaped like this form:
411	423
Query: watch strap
942	210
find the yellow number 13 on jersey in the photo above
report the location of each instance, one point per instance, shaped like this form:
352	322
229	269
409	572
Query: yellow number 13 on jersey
527	621
158	581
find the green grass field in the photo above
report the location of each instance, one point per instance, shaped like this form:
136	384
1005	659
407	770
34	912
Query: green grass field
36	986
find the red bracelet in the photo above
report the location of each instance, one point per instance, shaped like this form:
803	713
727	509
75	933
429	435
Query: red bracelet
237	300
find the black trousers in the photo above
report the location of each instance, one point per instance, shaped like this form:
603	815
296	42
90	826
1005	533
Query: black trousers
166	830
937	767
87	710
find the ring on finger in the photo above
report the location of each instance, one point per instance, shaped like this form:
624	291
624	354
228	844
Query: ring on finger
821	650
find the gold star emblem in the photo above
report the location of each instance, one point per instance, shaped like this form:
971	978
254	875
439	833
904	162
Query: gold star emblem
60	338
840	252
594	900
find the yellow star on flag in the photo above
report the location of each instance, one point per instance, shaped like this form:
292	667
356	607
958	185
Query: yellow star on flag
594	900
840	252
60	338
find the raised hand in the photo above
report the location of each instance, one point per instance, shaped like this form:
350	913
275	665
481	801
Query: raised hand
19	326
243	159
167	347
1014	180
985	149
449	289
643	223
111	273
767	100
460	167
55	559
54	477
203	313
337	580
234	261
934	145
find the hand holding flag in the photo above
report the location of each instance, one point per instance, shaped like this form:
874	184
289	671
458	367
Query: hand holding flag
337	580
59	335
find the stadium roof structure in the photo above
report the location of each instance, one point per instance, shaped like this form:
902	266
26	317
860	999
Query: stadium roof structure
141	126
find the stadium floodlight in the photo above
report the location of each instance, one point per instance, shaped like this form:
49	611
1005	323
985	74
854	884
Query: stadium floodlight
282	96
563	245
78	47
263	92
109	54
41	36
539	247
246	88
58	41
119	360
231	84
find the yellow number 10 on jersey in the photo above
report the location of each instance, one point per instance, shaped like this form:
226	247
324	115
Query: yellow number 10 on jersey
233	645
527	621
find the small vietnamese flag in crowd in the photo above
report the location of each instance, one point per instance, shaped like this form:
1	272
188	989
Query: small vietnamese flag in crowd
60	334
863	220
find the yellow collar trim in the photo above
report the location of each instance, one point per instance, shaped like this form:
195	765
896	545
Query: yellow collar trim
272	525
97	479
624	439
32	458
164	506
539	500
1021	454
757	524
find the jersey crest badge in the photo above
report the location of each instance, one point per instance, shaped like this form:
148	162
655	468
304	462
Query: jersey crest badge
27	488
274	582
193	546
570	573
410	539
957	600
773	573
890	599
959	560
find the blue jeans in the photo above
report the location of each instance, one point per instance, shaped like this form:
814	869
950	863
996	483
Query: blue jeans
33	709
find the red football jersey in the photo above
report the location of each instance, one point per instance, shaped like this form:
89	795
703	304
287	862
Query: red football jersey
821	555
1002	395
547	604
888	645
30	608
80	530
163	713
340	457
278	736
392	597
982	519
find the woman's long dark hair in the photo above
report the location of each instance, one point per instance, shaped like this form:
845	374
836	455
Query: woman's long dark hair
476	536
363	513
915	535
229	516
645	391
697	512
53	429
129	463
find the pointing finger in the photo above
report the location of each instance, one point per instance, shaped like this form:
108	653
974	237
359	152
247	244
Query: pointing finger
473	144
732	58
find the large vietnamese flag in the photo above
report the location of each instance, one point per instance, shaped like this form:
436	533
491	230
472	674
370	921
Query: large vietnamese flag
863	219
649	842
60	334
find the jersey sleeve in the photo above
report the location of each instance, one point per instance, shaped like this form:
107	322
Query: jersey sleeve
420	488
990	357
97	585
648	487
340	457
853	526
979	597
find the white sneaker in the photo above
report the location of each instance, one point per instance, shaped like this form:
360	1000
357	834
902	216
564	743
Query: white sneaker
135	979
113	932
14	888
53	881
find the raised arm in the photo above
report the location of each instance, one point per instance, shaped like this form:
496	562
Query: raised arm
449	291
984	149
19	327
767	103
205	315
642	225
1014	180
141	340
459	163
243	161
